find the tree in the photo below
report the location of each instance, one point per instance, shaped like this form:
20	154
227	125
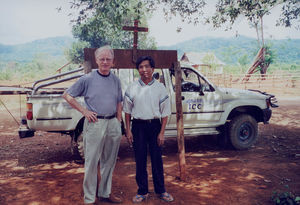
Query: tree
100	22
290	13
228	11
243	60
190	11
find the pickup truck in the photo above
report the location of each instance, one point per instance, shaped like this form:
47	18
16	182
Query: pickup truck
231	114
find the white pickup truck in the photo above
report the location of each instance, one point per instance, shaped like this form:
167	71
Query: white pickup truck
232	114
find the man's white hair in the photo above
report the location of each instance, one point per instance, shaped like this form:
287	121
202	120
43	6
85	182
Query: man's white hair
98	51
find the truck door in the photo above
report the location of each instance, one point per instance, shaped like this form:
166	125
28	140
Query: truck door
201	105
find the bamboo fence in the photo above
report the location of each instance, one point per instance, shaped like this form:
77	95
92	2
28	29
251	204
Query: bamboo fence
287	82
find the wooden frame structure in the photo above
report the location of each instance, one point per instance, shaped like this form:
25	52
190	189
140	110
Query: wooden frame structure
163	59
126	58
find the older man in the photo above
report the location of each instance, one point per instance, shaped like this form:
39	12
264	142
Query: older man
102	129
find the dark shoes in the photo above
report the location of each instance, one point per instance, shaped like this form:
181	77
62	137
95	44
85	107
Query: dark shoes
112	199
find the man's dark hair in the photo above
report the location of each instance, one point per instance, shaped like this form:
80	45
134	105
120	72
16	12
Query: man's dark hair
144	58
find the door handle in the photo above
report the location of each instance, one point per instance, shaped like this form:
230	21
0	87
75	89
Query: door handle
182	97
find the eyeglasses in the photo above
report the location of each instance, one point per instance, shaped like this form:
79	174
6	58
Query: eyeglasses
105	59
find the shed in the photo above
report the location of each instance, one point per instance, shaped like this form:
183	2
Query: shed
204	62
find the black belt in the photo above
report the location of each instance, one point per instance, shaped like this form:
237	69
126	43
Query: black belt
106	117
146	121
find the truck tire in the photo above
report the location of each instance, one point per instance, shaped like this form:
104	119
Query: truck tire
243	131
79	143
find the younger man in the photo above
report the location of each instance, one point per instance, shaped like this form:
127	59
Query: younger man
148	103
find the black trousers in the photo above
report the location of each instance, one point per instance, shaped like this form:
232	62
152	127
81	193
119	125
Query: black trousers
145	136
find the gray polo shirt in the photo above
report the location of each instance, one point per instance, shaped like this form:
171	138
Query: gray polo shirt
101	93
147	101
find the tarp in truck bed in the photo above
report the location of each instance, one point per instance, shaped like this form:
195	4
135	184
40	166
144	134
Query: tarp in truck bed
10	90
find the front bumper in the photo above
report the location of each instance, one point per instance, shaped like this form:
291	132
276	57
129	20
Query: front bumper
267	113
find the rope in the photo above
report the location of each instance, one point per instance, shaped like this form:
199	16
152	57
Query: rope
20	103
10	112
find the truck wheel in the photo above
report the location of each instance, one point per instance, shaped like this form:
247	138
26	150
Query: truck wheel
243	131
79	143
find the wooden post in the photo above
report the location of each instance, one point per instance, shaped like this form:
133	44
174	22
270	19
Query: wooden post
87	66
179	118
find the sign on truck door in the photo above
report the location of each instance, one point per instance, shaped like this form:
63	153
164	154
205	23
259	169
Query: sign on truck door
200	103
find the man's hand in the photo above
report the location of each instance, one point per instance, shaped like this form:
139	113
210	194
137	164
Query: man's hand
160	139
129	136
90	116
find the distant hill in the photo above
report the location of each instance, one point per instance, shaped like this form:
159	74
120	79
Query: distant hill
229	50
25	52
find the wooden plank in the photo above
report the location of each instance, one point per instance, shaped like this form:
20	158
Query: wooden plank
87	66
123	57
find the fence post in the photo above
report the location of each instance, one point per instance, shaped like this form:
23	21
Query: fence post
179	119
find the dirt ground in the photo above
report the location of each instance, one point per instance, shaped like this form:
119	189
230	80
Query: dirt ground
41	170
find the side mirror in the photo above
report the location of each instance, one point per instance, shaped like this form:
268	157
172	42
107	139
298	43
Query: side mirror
156	75
201	92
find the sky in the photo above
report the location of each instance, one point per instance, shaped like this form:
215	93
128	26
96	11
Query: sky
22	21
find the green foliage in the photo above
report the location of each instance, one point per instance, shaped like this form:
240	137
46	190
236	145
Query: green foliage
75	53
100	23
235	69
231	50
190	11
287	50
280	67
41	66
210	59
290	13
243	60
227	12
285	197
269	57
5	74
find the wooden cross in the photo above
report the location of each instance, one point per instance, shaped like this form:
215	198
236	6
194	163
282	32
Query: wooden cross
135	30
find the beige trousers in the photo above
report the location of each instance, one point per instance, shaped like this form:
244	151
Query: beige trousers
101	141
